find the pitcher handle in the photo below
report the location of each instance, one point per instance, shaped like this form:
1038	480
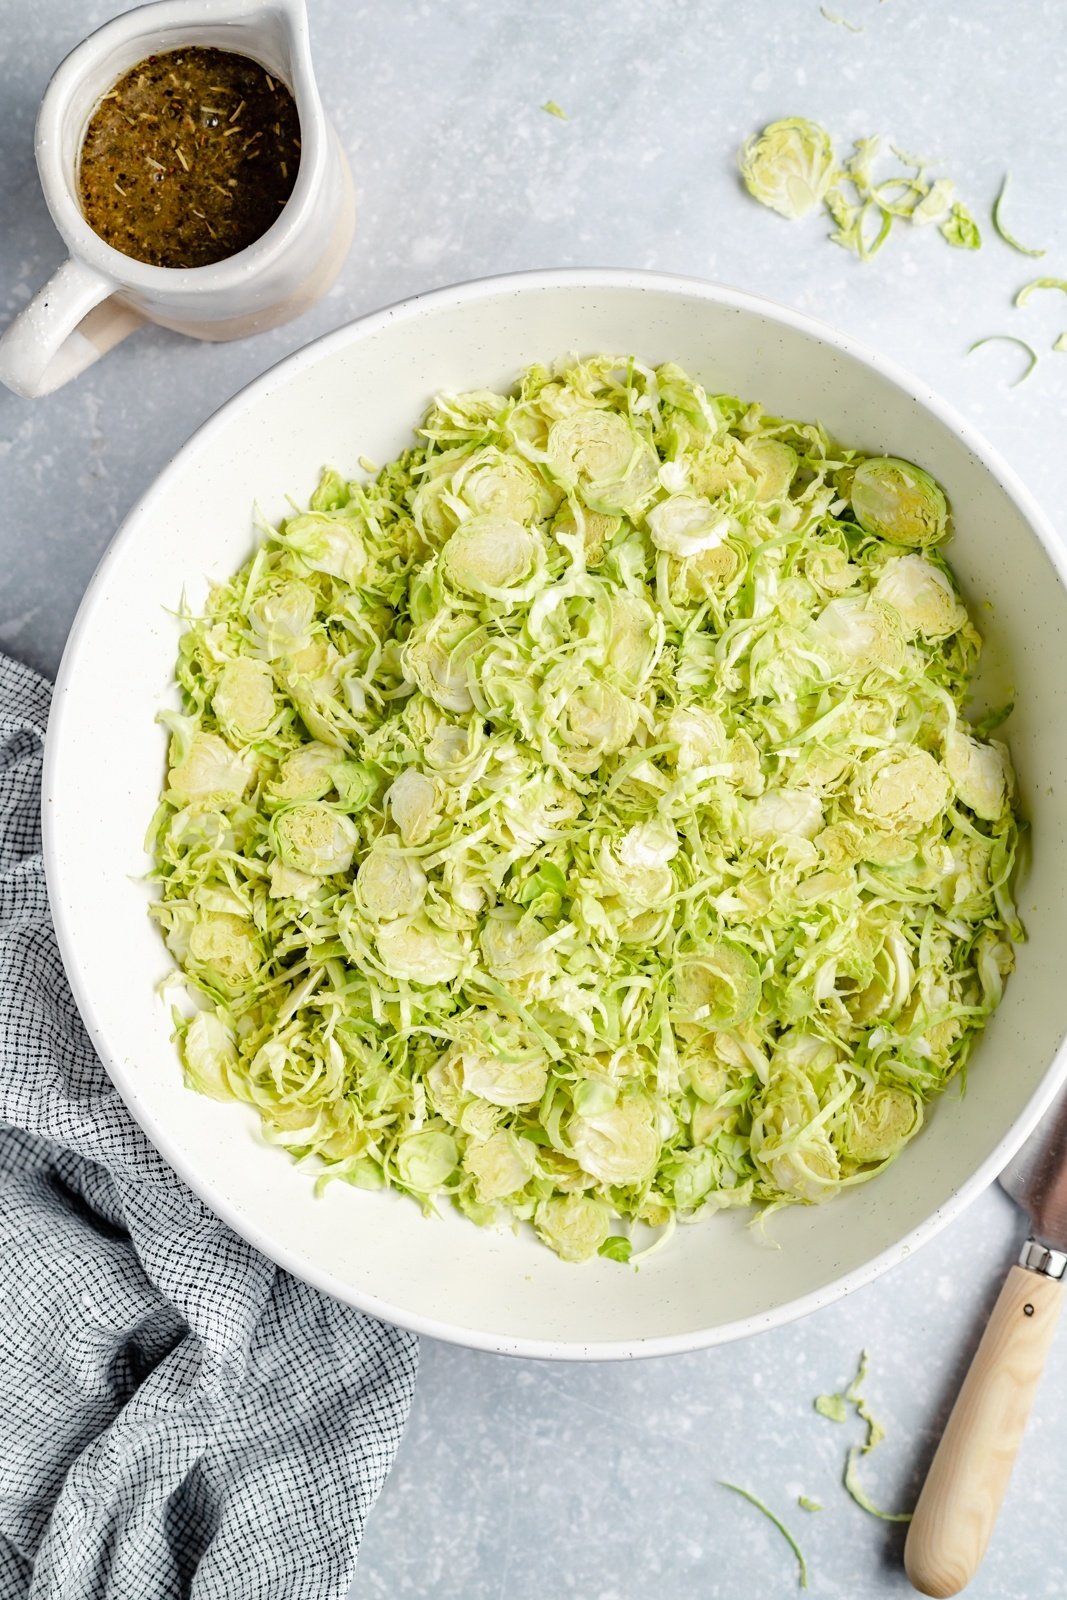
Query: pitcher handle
61	332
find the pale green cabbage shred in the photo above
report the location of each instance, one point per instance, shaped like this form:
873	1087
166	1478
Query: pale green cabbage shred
836	1408
791	168
579	822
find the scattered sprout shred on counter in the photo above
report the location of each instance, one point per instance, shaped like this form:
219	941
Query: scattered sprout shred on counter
765	1510
835	1407
1009	338
791	167
998	224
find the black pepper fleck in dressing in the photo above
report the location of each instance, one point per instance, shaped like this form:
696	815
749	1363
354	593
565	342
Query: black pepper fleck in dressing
189	158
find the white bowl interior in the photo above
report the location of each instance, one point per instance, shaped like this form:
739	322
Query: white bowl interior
359	392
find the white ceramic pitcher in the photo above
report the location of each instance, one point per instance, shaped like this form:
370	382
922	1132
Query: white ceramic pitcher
99	295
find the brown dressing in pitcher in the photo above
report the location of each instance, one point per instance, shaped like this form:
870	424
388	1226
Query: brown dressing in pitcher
189	157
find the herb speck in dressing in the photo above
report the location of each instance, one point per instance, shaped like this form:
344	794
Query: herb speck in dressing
189	157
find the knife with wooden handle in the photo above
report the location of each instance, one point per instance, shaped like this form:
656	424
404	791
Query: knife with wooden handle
969	1473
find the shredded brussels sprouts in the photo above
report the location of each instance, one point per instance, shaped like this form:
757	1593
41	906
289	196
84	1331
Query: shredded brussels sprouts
832	1406
836	1408
1039	283
760	1505
1009	338
579	821
842	22
791	168
998	224
960	228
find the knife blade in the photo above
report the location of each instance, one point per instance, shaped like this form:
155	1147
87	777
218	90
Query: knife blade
969	1474
1036	1179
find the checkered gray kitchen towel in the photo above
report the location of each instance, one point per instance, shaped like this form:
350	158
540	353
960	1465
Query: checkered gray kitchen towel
177	1416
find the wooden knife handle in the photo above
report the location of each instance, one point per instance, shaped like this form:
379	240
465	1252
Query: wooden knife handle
969	1473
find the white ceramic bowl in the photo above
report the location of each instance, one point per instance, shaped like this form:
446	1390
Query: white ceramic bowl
358	391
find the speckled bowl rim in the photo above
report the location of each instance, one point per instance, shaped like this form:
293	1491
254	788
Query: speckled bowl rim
526	283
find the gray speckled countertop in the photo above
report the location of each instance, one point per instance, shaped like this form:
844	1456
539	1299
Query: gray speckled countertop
518	1481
